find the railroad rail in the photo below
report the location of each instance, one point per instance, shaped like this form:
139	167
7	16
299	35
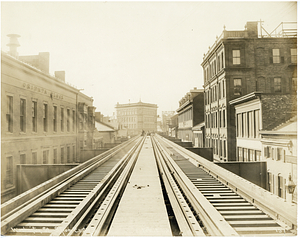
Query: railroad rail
225	203
202	199
61	209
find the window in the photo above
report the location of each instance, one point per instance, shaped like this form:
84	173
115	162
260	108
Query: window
241	154
257	155
34	157
62	119
9	172
240	125
236	57
62	155
22	115
222	60
276	56
23	159
74	153
256	123
45	156
34	116
55	156
280	154
237	87
224	148
45	117
246	155
68	119
273	155
224	118
55	118
267	152
277	85
293	55
9	114
251	155
73	120
245	125
251	124
68	154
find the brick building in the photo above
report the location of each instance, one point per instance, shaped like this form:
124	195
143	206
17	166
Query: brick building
133	118
43	121
238	63
190	113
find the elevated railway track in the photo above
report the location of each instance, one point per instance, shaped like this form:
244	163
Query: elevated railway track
200	198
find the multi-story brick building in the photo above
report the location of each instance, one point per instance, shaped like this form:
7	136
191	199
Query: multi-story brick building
238	63
43	121
133	118
190	113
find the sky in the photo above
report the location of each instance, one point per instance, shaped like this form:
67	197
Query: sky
131	51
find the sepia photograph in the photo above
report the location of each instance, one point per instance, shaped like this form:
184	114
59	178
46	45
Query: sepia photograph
149	118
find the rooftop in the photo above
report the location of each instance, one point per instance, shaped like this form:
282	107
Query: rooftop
283	30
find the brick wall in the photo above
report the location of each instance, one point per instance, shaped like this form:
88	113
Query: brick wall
277	109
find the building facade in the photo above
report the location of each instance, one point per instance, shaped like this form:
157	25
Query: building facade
238	63
43	120
279	149
190	113
255	112
166	120
133	118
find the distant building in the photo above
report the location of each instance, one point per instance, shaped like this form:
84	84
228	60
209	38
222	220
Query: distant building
105	132
133	118
173	126
198	135
43	120
190	113
166	120
238	63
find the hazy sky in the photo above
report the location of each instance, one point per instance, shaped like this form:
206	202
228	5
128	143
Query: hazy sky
121	51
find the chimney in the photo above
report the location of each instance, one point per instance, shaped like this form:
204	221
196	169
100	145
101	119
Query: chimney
252	29
13	44
60	75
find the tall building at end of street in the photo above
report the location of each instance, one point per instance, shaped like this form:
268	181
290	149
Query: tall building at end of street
133	118
239	63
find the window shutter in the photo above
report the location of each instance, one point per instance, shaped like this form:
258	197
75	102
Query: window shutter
266	152
271	80
271	56
283	85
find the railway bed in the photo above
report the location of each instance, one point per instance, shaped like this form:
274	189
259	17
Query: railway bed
128	192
